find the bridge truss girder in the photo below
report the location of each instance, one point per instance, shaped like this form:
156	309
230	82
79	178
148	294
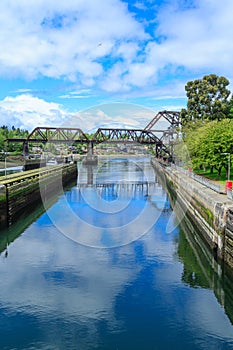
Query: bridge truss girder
141	136
61	134
102	135
172	117
125	135
53	135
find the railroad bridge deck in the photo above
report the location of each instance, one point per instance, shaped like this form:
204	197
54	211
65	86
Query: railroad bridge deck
144	136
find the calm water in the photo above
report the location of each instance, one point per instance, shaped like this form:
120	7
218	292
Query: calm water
107	267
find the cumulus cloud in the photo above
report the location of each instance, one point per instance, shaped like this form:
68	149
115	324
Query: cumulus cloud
197	38
112	115
75	39
135	49
27	112
61	39
185	42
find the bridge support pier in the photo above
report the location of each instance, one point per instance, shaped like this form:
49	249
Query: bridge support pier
25	149
90	159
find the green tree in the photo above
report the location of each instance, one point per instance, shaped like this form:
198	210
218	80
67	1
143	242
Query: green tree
5	133
230	108
207	143
207	99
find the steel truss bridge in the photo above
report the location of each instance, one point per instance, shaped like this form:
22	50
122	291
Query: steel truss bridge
144	136
172	117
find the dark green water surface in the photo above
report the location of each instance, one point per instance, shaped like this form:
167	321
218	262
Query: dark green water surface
107	266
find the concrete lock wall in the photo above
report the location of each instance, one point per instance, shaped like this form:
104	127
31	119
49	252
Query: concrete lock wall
19	191
3	204
207	209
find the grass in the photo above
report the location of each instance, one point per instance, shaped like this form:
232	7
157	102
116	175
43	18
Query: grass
214	176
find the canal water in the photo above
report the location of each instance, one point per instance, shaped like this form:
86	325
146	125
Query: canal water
109	265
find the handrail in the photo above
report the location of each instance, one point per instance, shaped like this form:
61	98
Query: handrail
229	194
199	179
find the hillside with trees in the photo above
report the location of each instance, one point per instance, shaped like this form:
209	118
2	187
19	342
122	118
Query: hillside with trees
6	132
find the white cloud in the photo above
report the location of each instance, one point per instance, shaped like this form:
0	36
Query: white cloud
68	96
113	81
61	39
113	49
128	51
187	43
77	94
27	112
112	115
196	38
140	5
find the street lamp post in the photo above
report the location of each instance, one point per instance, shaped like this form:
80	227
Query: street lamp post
5	163
229	165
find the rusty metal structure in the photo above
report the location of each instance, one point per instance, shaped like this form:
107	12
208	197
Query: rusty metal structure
53	134
172	117
144	136
141	136
171	133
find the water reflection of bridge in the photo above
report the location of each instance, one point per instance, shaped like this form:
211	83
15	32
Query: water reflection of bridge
150	191
128	188
125	178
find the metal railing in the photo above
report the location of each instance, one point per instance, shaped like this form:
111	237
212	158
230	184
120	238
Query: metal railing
229	194
206	182
200	179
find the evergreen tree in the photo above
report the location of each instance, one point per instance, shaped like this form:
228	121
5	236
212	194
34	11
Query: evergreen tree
207	99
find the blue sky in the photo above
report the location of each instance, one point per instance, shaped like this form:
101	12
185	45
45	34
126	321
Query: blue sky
107	62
